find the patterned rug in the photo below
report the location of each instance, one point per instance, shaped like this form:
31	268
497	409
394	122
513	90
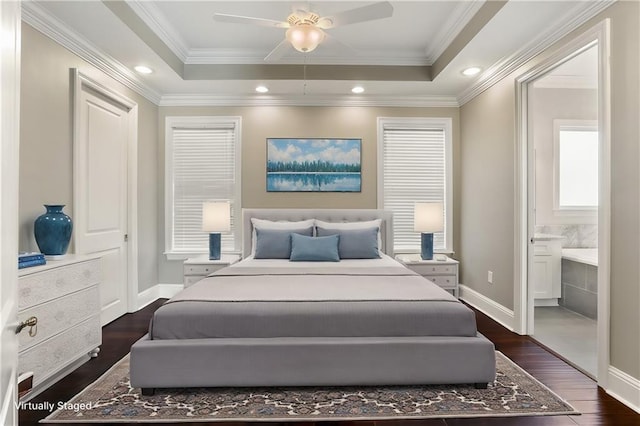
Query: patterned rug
110	399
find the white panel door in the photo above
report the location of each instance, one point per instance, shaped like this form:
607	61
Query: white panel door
9	152
101	195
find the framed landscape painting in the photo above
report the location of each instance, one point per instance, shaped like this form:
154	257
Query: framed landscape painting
314	165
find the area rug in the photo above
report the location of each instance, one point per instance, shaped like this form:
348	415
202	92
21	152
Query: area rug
110	399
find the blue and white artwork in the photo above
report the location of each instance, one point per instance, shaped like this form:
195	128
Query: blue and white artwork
313	165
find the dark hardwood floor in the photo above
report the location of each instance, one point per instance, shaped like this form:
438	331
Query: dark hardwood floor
596	406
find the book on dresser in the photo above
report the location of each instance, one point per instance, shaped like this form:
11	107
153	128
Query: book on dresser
26	260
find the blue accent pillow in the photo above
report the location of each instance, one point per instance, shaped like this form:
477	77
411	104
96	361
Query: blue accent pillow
355	243
276	243
315	249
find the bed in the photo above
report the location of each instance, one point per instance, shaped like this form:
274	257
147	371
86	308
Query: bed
274	322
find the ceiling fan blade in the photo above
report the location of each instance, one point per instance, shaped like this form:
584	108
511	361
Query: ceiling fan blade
371	12
236	19
279	51
336	47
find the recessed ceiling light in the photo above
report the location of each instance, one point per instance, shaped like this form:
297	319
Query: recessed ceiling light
262	89
471	71
143	70
358	89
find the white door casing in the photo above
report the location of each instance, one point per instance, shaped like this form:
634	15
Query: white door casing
9	155
105	125
525	200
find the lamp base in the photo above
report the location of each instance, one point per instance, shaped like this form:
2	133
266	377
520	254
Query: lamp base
426	240
214	246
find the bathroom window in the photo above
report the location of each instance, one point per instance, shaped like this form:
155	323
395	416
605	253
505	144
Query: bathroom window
576	165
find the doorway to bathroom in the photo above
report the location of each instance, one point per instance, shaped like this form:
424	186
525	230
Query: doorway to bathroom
562	299
563	128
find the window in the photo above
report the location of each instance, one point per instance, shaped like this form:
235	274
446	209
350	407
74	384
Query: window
415	165
575	165
202	162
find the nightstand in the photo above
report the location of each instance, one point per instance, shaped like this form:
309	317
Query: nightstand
196	268
442	272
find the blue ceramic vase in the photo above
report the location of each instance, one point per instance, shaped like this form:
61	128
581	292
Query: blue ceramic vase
53	231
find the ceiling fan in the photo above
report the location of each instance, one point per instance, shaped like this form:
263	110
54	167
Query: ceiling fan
305	28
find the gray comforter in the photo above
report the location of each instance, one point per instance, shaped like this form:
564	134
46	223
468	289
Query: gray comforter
312	302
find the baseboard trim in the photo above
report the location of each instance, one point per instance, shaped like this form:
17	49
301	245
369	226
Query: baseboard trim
624	387
158	291
490	307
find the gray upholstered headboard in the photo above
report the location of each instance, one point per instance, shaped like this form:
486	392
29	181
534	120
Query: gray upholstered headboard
327	215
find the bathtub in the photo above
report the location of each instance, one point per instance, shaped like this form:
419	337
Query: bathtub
580	281
588	256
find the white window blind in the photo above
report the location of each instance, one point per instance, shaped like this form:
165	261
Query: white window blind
202	163
415	157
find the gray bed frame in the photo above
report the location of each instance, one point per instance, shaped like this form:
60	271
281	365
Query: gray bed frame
312	361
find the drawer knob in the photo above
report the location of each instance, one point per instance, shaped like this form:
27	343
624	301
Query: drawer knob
32	323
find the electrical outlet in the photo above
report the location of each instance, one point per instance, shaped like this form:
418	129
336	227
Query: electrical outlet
490	277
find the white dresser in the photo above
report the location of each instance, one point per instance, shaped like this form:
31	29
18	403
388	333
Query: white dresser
64	296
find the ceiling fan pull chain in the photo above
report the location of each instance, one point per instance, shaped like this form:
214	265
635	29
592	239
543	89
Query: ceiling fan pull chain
304	73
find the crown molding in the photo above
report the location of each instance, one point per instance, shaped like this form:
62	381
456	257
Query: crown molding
581	13
37	17
456	22
156	21
309	100
223	56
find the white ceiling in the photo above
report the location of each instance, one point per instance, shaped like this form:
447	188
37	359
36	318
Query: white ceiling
417	34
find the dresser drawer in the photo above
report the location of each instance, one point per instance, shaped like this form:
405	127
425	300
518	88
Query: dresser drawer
444	281
48	357
50	284
59	314
202	270
434	269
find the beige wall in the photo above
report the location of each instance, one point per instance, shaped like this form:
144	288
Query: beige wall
259	123
46	148
487	126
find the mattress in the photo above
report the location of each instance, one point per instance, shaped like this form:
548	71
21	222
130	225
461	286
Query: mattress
278	298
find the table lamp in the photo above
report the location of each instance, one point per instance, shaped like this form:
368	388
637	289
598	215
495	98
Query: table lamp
216	218
427	219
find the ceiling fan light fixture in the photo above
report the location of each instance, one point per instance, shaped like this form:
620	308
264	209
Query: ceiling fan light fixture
305	37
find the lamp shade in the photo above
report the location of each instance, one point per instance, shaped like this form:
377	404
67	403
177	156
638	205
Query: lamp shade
216	216
304	38
428	217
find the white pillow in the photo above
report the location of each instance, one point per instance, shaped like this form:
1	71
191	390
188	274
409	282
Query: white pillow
270	224
354	225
